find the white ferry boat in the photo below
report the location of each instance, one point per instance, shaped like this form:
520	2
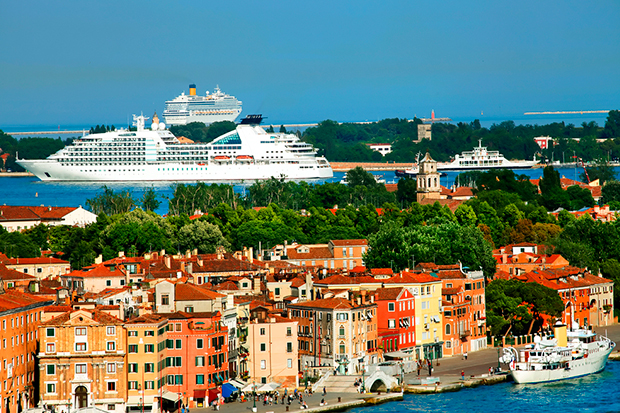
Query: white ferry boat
481	158
570	354
247	153
215	107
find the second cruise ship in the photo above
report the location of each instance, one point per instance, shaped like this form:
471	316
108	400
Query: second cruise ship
214	107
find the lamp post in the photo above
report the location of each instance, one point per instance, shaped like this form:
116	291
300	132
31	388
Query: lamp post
141	399
254	395
361	360
498	366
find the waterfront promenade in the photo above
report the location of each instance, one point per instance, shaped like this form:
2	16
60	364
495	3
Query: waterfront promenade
448	371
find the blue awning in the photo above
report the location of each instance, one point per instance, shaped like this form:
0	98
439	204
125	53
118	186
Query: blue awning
228	389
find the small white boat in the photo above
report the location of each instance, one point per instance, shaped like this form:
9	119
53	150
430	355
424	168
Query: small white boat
482	159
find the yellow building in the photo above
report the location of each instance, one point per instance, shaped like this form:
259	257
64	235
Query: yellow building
82	361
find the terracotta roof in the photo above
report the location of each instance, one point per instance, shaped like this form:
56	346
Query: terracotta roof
411	277
451	291
147	319
313	253
389	294
345	280
382	271
38	260
8	274
98	316
348	242
328	303
189	292
12	299
226	285
23	213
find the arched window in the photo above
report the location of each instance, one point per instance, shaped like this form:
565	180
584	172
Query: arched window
342	349
341	331
448	329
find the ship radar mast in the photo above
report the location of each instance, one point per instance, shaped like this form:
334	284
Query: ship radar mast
138	122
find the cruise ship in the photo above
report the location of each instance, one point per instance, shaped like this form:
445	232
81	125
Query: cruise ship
247	153
214	107
482	159
568	355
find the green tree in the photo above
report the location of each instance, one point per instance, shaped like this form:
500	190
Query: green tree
110	202
406	192
612	124
610	192
149	201
201	235
359	177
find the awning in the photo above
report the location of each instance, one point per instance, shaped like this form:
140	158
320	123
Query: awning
268	387
250	387
137	401
168	395
228	389
238	383
200	394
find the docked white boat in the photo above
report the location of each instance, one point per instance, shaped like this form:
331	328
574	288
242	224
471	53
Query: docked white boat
247	153
568	355
482	159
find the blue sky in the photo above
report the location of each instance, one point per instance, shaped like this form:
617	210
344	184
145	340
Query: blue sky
91	62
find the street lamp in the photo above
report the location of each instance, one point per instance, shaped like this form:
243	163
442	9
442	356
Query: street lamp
498	366
361	361
141	395
254	395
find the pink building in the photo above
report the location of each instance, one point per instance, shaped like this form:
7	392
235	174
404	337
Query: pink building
395	318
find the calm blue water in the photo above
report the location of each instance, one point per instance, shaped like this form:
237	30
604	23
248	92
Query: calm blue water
596	393
32	191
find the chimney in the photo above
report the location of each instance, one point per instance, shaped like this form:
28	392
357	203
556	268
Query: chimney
195	251
182	265
189	267
309	287
363	296
256	281
188	254
251	255
99	259
121	254
200	261
162	253
167	261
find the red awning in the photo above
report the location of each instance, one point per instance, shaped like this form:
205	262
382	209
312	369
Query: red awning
200	394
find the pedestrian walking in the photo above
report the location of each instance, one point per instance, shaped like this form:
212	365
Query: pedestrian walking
324	392
419	367
462	374
465	355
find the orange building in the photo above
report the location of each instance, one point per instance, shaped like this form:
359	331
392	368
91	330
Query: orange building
20	317
336	254
82	361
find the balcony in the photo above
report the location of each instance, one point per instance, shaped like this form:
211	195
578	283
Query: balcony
465	333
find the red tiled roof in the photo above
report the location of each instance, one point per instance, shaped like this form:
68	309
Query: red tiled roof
348	242
388	294
98	316
343	279
331	303
34	261
12	299
381	271
313	253
8	274
189	292
410	277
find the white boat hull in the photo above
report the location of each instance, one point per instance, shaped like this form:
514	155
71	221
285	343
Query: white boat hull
509	165
594	363
51	170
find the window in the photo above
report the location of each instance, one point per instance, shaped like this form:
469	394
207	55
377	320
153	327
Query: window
149	348
110	346
200	361
80	368
289	363
149	333
51	387
277	291
50	348
133	348
177	327
50	369
263	364
108	283
262	331
341	331
110	330
132	384
111	368
165	299
49	332
391	323
178	343
447	329
289	347
80	346
200	379
149	384
199	343
133	367
132	333
178	379
111	386
263	347
289	331
149	367
189	309
80	331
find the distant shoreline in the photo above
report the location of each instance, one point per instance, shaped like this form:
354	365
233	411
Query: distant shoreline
15	174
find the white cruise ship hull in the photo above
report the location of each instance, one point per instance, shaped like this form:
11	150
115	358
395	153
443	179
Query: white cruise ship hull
594	363
180	119
50	170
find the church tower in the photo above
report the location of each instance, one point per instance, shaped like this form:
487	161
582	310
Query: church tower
428	179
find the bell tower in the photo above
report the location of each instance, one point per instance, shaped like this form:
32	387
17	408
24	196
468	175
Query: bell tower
428	179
